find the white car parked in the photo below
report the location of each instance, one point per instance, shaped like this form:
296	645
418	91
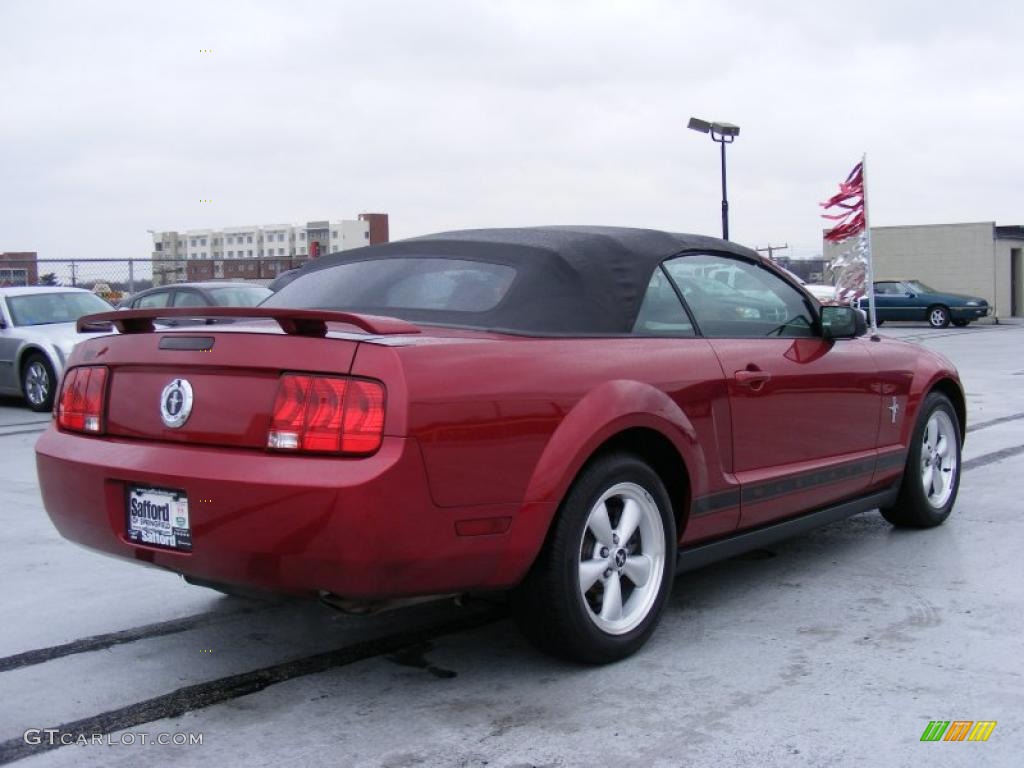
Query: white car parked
37	333
820	291
742	282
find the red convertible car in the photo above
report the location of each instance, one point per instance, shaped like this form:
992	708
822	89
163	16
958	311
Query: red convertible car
572	414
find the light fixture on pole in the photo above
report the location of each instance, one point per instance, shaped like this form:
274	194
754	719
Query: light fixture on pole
723	133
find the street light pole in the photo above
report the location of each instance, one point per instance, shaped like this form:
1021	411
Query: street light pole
725	196
722	133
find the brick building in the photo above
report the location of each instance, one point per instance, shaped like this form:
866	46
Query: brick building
19	268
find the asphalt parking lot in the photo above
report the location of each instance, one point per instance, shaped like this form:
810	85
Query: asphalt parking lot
835	648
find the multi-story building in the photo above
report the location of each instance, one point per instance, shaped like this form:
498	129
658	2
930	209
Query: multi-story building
258	252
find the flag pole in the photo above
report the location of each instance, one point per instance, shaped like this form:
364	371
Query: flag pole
870	276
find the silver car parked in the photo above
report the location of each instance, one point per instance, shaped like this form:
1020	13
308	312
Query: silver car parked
37	332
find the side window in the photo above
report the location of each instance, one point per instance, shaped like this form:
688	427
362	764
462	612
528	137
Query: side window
755	303
158	299
188	299
888	289
661	314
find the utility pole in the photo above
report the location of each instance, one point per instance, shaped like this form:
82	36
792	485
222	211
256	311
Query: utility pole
771	249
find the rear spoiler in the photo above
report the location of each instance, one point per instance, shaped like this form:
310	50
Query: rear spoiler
295	322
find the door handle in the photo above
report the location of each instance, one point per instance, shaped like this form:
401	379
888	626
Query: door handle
753	379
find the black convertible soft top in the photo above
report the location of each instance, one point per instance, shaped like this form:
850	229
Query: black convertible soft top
569	279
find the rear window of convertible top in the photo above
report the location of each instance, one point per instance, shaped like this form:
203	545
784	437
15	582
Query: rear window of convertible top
432	284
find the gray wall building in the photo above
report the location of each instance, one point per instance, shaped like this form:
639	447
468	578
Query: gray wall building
980	259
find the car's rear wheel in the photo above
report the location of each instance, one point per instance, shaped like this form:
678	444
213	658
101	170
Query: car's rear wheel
600	584
961	323
932	475
38	382
938	316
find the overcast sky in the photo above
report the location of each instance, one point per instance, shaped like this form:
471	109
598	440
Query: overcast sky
449	114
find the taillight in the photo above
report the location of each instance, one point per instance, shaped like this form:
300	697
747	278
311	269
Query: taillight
327	414
81	399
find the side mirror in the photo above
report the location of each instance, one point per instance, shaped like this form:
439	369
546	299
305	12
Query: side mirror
843	322
911	295
3	323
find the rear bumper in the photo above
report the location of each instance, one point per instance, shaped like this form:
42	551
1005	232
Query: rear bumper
361	528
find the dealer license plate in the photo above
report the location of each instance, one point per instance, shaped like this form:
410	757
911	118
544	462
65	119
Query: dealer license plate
158	517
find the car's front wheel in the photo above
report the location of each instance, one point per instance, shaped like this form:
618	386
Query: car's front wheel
931	478
38	382
938	317
601	581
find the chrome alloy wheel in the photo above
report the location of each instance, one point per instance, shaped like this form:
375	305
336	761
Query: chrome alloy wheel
622	558
37	383
937	318
938	459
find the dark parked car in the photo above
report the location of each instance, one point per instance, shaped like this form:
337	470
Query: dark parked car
566	413
913	300
208	294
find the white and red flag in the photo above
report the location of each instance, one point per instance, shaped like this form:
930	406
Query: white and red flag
853	265
850	198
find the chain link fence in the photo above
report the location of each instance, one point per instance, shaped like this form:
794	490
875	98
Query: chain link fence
114	279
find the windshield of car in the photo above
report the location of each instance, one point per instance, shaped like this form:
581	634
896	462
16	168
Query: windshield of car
47	308
919	287
385	285
239	295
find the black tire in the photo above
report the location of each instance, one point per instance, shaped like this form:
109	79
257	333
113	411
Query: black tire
961	323
38	382
938	316
913	508
550	606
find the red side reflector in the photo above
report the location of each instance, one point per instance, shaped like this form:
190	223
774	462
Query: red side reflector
82	398
327	414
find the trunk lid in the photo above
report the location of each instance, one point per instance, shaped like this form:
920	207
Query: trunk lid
232	371
233	375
